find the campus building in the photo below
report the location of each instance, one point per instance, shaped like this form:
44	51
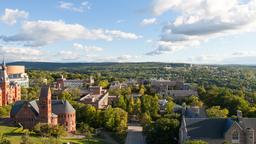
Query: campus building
219	130
97	97
45	110
176	89
63	83
17	74
10	91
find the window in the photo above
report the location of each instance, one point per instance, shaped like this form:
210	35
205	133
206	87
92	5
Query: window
235	137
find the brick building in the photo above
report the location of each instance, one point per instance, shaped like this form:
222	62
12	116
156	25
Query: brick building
10	91
45	110
97	97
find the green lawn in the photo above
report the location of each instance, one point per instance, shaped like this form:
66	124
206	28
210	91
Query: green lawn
14	134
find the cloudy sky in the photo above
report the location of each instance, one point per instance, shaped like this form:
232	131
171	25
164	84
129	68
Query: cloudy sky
194	31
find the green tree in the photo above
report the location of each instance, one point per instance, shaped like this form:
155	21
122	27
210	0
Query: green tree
122	102
142	90
169	107
104	83
137	106
131	105
145	119
194	101
66	96
164	131
217	112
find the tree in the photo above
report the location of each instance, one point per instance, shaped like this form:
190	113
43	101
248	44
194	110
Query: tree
131	105
195	142
194	101
75	93
116	119
145	119
86	130
164	131
169	107
58	131
121	102
104	83
66	96
142	90
154	106
217	112
137	106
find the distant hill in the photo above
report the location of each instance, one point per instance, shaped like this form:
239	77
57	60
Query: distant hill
79	66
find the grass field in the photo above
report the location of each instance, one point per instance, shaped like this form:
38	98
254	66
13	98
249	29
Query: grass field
14	134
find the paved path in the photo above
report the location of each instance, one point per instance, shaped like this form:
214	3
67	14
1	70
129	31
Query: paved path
134	135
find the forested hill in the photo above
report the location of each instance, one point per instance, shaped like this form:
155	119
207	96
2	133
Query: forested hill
83	66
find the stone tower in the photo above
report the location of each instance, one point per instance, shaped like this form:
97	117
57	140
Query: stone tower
4	84
45	105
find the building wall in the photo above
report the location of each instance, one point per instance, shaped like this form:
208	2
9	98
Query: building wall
235	127
26	117
68	120
15	69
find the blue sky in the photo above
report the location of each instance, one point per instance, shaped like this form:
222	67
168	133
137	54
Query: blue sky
198	31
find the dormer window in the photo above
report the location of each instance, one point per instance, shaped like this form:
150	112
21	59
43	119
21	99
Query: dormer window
235	137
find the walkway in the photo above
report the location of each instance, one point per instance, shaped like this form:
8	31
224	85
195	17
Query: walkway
134	135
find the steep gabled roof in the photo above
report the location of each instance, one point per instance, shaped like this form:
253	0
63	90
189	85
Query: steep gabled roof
58	107
61	107
207	128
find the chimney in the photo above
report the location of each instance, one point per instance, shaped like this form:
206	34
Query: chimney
239	115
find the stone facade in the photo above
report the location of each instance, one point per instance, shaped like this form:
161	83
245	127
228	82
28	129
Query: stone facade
219	130
178	90
45	110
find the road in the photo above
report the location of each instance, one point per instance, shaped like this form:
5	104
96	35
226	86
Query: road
134	135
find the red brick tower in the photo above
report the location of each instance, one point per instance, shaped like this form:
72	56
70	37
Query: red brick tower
4	84
45	105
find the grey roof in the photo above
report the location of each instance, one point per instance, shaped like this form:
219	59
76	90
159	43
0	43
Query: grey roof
44	91
62	106
248	123
16	107
206	128
58	107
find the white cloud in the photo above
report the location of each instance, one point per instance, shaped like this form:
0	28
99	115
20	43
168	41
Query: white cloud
121	58
13	53
39	33
239	57
87	48
149	21
121	34
12	15
70	6
201	20
68	55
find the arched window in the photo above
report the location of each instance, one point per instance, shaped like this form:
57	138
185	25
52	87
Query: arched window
235	137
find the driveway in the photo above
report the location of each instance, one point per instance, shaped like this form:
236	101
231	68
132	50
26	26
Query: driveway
134	135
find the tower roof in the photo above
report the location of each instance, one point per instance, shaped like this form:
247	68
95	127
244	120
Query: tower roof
45	90
3	73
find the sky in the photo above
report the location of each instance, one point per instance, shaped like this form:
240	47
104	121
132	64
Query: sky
190	31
